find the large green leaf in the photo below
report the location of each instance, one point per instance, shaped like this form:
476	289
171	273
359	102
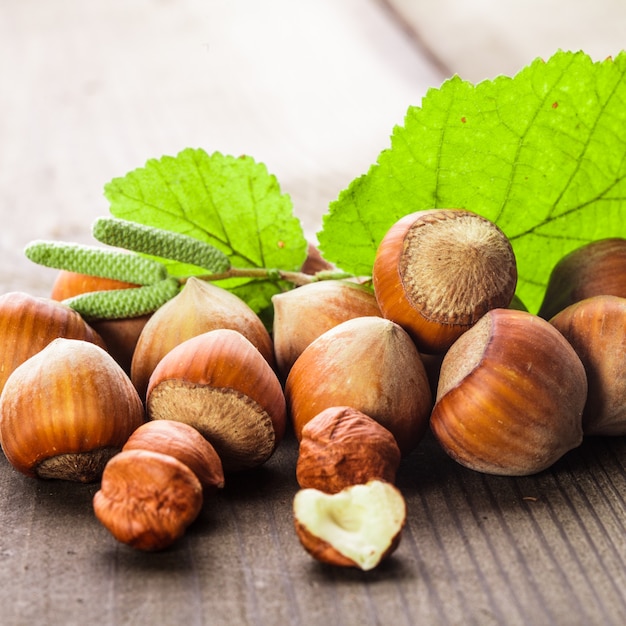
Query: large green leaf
542	154
231	203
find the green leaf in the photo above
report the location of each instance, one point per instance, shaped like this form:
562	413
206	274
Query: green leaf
542	154
231	203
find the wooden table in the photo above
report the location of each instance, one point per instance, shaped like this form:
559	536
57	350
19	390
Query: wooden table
313	89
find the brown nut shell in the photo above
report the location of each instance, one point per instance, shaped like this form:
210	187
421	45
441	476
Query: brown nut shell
341	447
199	308
511	395
596	329
65	411
147	499
184	443
436	272
597	268
301	315
220	384
370	364
28	324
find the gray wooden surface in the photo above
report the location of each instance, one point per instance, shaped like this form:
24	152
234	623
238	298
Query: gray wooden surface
313	89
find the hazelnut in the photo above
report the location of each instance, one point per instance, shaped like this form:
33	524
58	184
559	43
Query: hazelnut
184	443
314	261
147	499
28	324
357	527
436	272
596	329
220	384
199	308
511	395
595	269
341	447
66	410
303	314
370	364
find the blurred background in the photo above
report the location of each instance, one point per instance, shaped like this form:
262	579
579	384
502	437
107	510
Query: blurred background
312	88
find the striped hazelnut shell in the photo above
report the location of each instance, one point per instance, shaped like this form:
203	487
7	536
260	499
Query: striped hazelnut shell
436	272
369	364
199	308
596	329
66	410
29	323
511	395
220	384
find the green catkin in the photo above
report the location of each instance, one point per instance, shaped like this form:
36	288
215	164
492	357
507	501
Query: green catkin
124	303
94	261
159	242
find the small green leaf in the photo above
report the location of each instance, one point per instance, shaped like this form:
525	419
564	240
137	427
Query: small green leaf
231	203
542	154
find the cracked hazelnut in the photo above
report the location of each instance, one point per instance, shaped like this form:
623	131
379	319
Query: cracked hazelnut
356	527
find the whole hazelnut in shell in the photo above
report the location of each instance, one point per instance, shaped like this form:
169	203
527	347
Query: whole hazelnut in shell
220	384
199	308
596	329
436	272
29	323
367	363
66	410
301	315
597	268
511	395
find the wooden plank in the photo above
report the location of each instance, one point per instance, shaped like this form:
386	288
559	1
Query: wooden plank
477	549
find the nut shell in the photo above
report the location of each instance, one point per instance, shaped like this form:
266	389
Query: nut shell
147	499
199	308
595	269
596	329
303	314
370	364
436	272
220	384
66	410
341	447
511	395
28	324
